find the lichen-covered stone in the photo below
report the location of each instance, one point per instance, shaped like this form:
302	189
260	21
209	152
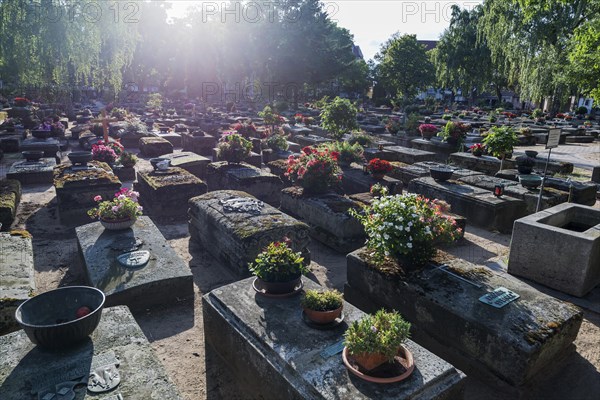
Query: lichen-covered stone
246	178
17	276
191	162
27	370
167	194
153	146
198	142
10	196
510	345
236	238
31	172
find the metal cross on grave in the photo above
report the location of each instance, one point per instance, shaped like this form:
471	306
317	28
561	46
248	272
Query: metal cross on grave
105	121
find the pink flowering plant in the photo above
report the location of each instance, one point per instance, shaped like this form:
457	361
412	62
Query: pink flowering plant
427	128
123	206
316	170
106	152
406	227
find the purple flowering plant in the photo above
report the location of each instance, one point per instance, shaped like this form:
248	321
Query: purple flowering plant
123	206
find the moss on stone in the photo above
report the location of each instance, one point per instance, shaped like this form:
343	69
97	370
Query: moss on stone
64	177
10	195
176	177
388	267
476	273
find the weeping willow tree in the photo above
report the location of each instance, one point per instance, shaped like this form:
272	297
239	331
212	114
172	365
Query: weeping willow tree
60	43
530	42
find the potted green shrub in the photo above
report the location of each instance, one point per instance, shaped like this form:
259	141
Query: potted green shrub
362	139
277	142
233	147
278	268
322	307
378	190
500	141
339	117
376	339
347	153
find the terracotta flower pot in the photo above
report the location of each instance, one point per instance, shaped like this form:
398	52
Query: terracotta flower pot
369	361
323	317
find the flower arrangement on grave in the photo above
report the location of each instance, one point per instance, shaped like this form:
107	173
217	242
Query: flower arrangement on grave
119	113
477	149
500	141
376	339
128	159
21	102
279	263
107	153
347	153
453	132
393	126
245	128
123	207
322	307
378	190
525	131
339	117
298	118
379	167
277	142
46	125
447	117
587	124
270	117
233	147
405	228
428	130
308	121
316	170
361	138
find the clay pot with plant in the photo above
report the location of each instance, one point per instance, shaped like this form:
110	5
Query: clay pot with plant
500	142
322	307
278	268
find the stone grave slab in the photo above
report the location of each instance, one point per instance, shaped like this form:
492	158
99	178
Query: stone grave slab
310	140
442	150
490	165
355	180
32	172
163	279
514	189
50	146
328	218
272	155
253	159
76	187
28	372
407	173
198	142
152	146
10	143
559	248
166	193
17	282
246	178
265	340
409	155
193	163
124	173
294	147
236	237
507	347
385	154
10	196
479	206
172	137
583	192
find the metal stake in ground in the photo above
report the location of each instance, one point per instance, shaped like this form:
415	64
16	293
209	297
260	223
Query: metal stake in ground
551	143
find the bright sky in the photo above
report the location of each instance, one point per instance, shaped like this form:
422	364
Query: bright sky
371	22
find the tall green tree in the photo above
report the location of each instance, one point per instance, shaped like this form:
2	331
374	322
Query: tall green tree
404	66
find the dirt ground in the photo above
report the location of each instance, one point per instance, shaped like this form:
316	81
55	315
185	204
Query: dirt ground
175	331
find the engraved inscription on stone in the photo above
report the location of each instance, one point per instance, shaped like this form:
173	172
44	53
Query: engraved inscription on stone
103	379
499	297
242	205
134	259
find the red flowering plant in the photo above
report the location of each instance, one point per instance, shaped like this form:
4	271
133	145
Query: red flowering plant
477	149
245	128
21	101
427	128
298	118
379	166
316	170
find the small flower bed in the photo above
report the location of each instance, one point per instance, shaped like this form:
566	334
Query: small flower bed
315	170
379	166
477	149
278	263
382	333
233	147
406	226
122	207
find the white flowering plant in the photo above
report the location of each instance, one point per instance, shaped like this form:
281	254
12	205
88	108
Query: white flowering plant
405	227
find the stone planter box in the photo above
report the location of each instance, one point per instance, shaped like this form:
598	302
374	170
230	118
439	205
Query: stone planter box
155	146
355	180
442	150
246	178
327	216
10	196
76	188
198	142
258	340
271	155
409	155
507	347
17	284
124	173
253	159
236	238
559	248
32	172
167	194
490	165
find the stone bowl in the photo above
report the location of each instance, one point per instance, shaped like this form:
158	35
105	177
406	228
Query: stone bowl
441	173
530	181
80	157
156	160
58	319
531	153
32	155
40	134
